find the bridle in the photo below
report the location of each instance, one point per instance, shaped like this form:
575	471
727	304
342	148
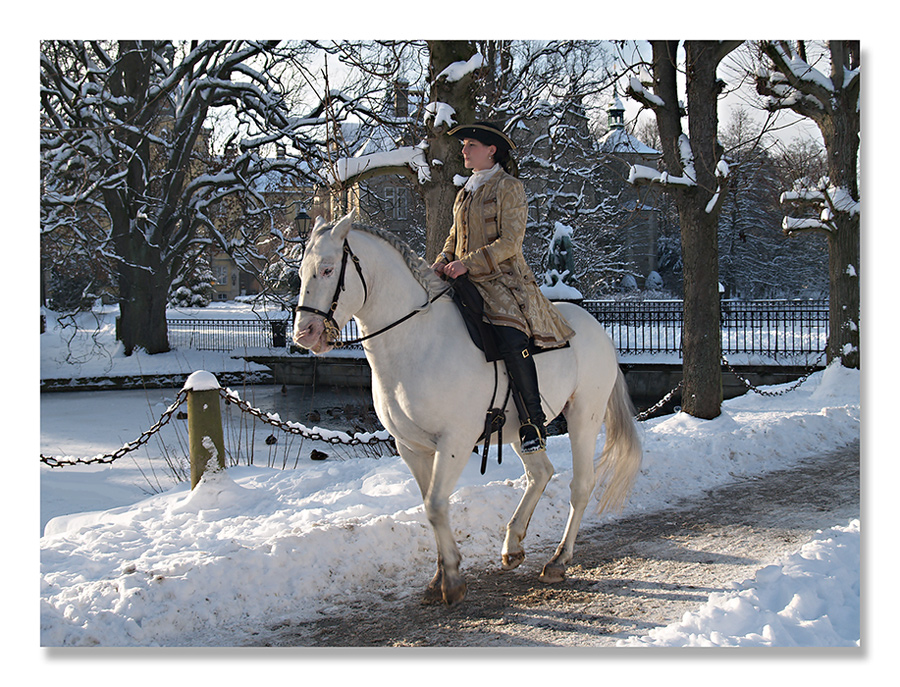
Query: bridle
332	330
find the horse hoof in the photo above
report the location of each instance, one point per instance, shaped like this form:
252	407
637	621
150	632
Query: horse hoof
553	573
453	595
512	560
432	595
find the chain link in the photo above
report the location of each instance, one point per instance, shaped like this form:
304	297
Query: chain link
750	387
127	448
325	435
338	437
659	404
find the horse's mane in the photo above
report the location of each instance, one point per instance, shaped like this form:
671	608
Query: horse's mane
418	266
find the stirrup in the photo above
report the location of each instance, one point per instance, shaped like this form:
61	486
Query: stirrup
532	438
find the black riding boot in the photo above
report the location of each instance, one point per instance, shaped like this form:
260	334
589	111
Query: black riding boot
523	374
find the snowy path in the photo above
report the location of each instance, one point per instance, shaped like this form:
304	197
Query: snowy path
630	576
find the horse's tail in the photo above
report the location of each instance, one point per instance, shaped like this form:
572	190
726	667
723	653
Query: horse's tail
619	464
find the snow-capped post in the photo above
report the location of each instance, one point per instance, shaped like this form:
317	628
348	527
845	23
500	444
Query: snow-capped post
205	437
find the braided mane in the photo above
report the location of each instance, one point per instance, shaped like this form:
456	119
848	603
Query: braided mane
418	266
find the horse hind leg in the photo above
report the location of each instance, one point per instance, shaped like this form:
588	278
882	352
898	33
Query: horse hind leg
618	467
538	471
583	433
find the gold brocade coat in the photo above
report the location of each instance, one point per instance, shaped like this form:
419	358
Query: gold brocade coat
486	236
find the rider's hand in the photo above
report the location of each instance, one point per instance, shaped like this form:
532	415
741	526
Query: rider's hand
455	269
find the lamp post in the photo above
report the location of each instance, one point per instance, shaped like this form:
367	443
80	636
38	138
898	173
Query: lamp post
302	220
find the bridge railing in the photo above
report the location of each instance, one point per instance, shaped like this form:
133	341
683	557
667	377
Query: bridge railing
765	327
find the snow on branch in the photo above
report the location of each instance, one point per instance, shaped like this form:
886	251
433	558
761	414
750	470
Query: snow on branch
437	113
353	169
793	83
827	200
457	70
640	174
637	91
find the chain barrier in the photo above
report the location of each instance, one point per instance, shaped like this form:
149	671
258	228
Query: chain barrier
338	437
127	448
314	434
750	386
230	397
659	404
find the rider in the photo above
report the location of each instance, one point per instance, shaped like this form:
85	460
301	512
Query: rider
489	218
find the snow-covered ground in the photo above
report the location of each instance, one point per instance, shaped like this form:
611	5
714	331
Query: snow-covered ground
129	557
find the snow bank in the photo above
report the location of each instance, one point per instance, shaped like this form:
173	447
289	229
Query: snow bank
811	598
255	546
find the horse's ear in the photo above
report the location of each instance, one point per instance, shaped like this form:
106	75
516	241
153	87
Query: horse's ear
320	222
342	228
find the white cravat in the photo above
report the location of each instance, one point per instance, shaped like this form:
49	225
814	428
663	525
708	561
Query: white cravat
479	177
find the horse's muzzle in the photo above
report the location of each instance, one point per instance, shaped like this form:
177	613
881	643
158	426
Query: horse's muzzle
309	332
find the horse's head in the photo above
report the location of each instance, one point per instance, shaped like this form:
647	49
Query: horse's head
330	290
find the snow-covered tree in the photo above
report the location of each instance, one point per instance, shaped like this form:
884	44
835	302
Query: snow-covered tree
126	165
755	258
823	85
696	174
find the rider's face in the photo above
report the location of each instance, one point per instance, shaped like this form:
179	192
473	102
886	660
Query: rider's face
477	155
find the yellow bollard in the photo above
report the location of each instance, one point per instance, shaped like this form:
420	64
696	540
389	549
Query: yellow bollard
205	436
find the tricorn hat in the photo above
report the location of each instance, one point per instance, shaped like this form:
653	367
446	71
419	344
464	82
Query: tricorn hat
484	132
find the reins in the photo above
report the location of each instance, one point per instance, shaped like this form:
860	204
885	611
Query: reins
332	330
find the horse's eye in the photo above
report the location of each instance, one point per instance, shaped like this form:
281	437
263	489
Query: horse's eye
327	271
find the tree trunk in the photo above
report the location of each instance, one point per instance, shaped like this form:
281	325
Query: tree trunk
444	150
698	212
143	294
840	132
843	303
701	337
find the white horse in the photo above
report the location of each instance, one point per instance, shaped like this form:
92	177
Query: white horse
431	386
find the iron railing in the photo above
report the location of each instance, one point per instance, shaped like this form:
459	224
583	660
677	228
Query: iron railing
228	335
769	328
765	327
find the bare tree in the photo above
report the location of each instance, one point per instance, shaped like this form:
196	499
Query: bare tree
127	170
794	80
697	176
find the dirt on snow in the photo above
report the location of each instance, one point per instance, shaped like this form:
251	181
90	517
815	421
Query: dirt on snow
628	576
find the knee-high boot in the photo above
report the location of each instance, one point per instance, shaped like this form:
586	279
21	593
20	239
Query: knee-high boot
527	396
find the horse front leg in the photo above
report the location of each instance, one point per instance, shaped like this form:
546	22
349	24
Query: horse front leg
420	462
448	465
538	471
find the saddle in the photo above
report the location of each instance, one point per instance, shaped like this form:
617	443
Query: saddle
471	306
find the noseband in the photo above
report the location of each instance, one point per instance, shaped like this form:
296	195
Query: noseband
332	331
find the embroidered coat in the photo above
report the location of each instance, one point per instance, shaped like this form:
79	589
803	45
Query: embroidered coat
486	236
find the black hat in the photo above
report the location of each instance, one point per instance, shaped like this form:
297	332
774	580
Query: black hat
484	132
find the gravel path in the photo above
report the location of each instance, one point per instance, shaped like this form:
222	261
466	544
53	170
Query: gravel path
628	577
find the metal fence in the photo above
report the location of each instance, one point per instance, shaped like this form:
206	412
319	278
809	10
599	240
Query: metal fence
765	327
228	335
769	328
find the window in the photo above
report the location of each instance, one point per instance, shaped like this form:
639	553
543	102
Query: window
397	202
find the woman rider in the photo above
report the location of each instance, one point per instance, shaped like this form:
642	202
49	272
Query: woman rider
485	243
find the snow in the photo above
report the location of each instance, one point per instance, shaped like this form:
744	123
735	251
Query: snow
638	88
457	70
255	545
438	114
406	156
810	598
201	380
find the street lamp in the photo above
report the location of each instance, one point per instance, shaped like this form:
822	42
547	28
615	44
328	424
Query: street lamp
302	220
